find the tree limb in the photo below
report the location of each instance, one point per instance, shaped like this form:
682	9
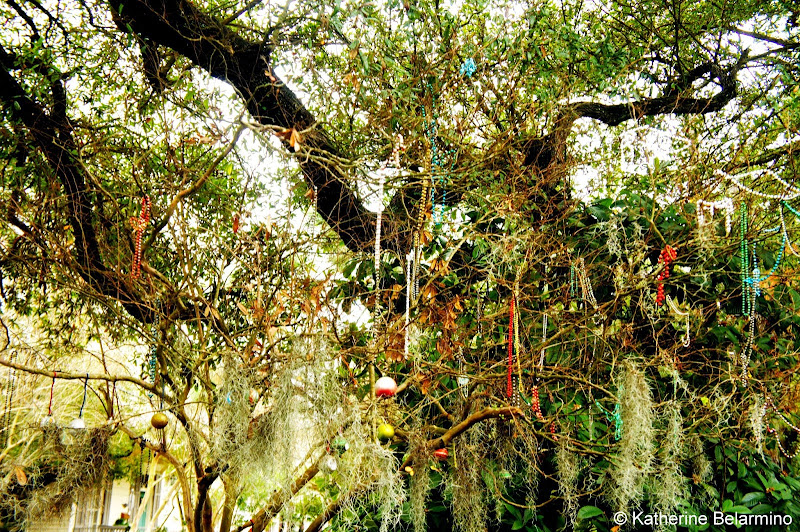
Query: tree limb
83	376
259	521
545	151
244	64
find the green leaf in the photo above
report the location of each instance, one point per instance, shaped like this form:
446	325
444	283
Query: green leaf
587	512
752	497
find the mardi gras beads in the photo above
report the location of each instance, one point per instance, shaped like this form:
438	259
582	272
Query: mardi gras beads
510	368
139	225
668	255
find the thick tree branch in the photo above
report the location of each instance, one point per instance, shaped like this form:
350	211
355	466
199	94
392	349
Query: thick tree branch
207	42
477	417
259	521
52	133
550	149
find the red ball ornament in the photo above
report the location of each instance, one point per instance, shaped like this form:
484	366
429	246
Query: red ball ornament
385	387
440	454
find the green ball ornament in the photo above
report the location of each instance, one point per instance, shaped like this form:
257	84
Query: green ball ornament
339	444
385	431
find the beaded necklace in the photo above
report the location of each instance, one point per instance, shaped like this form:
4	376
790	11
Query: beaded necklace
462	380
420	227
518	353
748	348
139	225
783	228
751	283
153	352
510	363
5	430
735	181
586	284
668	254
395	158
377	258
437	160
769	404
408	305
573	283
744	260
535	403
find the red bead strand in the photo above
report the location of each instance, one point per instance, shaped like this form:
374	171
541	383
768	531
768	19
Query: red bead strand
140	225
668	254
535	404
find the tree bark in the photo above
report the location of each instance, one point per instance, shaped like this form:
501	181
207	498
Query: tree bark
245	65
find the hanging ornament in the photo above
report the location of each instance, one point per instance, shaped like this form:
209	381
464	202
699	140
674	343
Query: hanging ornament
159	420
78	423
613	417
385	387
144	464
330	463
385	431
50	421
139	225
340	444
468	67
440	454
668	255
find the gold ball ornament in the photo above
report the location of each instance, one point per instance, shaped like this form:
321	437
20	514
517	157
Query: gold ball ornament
159	420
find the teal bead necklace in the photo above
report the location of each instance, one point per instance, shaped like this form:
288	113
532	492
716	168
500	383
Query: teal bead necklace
437	161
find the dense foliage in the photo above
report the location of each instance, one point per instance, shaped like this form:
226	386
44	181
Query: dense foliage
581	276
